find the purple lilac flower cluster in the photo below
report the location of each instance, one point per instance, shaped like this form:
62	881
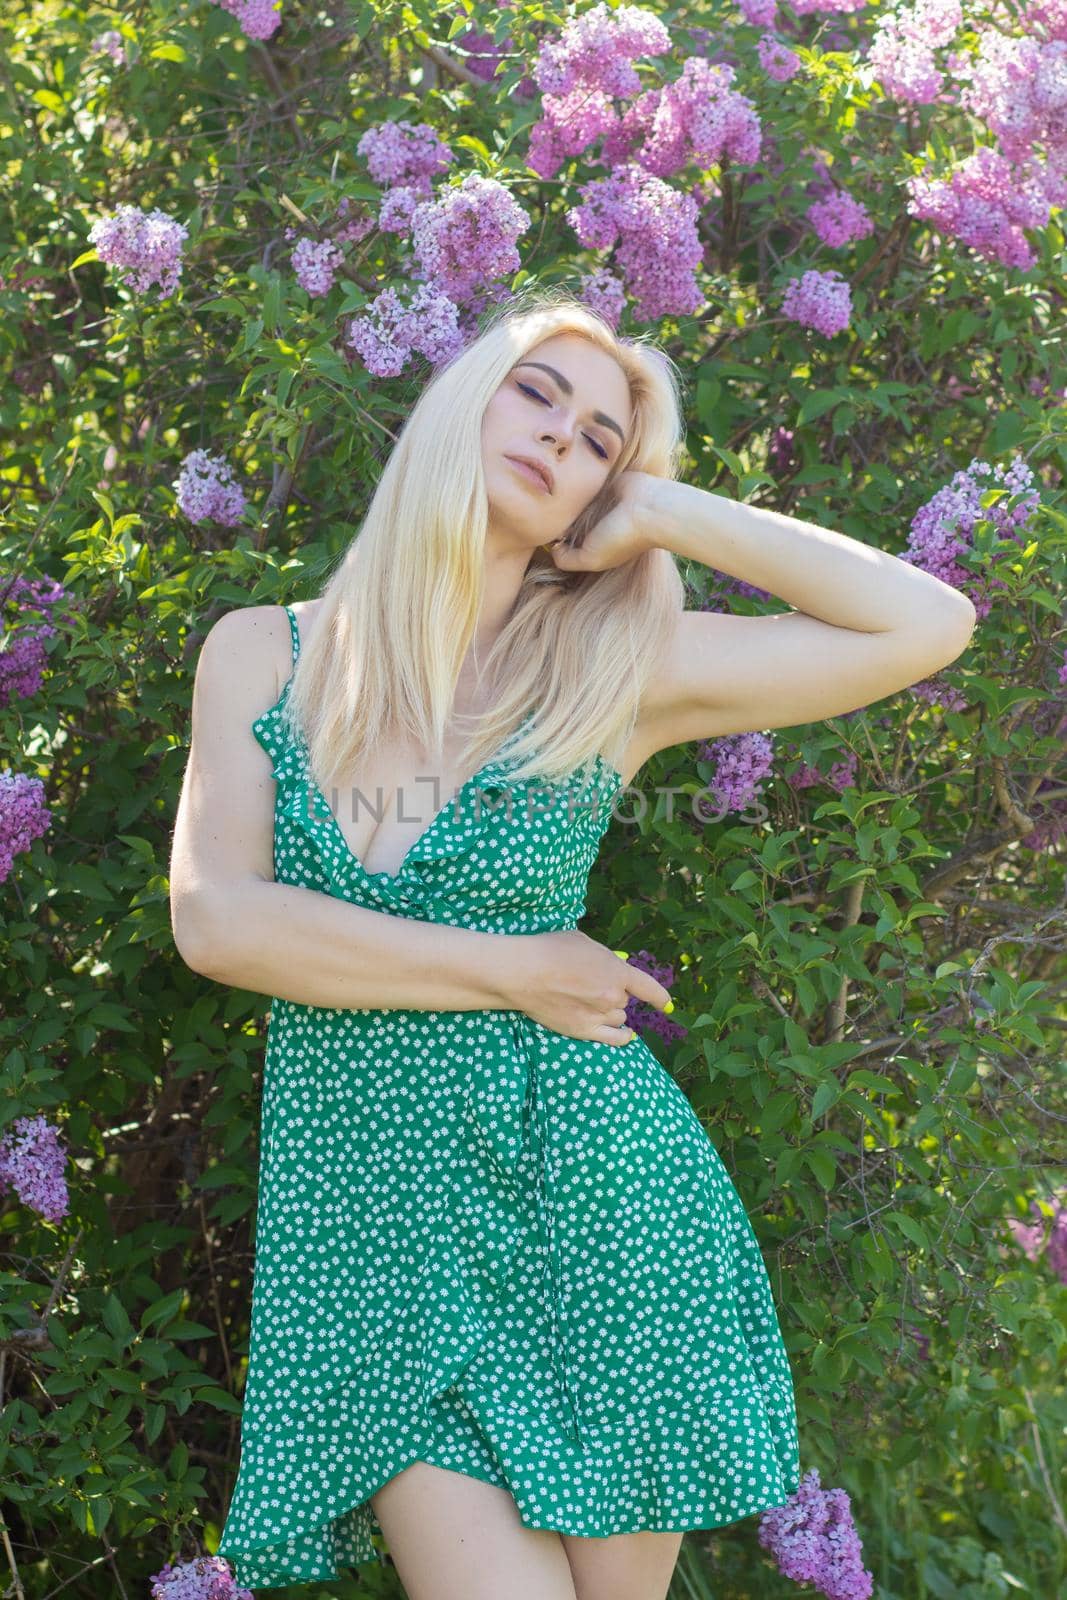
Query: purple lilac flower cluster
204	1578
32	1162
643	1017
813	1539
742	761
24	816
206	488
944	527
145	246
1013	82
22	648
259	19
838	219
110	43
841	776
819	300
776	58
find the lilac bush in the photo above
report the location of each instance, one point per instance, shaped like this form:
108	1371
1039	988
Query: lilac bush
243	239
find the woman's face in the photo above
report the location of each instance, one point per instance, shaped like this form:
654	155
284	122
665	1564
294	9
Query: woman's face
569	419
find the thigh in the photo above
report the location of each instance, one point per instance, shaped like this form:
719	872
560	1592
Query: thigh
622	1566
456	1538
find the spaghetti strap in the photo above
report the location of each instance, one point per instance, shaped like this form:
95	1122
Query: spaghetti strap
295	631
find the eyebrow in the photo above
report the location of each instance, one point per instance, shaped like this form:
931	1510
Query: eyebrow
568	389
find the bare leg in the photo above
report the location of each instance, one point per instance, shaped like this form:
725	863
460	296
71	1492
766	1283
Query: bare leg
622	1566
457	1538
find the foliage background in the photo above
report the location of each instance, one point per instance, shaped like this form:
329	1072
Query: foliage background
870	981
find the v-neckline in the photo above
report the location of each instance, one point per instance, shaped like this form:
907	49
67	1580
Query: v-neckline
385	873
326	816
453	803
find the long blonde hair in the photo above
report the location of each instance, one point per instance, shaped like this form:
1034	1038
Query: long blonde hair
399	611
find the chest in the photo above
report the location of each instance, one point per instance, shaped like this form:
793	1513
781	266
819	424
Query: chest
384	810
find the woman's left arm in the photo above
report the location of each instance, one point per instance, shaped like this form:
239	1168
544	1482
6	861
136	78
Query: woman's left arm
824	574
864	625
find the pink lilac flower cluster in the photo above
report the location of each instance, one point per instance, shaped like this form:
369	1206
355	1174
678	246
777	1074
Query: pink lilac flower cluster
646	1018
1017	86
316	262
24	816
32	1162
604	293
819	300
110	41
206	488
22	647
901	52
741	761
986	202
145	246
463	240
700	118
814	1540
806	8
350	229
404	157
841	776
580	72
944	527
258	19
1039	1237
466	236
655	229
776	58
387	331
205	1578
759	13
838	219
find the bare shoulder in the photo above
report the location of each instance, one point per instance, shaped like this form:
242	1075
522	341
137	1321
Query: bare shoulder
246	656
224	828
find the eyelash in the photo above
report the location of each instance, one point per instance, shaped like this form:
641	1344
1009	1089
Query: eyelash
601	452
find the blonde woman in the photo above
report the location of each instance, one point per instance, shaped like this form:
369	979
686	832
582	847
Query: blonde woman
508	1311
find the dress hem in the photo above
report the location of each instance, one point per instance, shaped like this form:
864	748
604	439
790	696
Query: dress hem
329	1572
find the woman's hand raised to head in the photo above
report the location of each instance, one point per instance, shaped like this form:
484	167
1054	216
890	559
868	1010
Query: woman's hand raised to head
575	986
624	532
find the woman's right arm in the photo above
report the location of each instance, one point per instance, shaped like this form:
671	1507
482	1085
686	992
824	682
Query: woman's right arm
233	922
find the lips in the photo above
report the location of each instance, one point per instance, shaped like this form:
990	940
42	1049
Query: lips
543	472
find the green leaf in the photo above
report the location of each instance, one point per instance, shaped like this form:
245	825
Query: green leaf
115	1319
221	1399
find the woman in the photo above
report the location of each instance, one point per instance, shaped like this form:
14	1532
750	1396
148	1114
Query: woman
508	1310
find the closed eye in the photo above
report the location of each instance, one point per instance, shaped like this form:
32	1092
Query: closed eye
528	389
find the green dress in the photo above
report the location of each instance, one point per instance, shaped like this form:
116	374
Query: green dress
484	1244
